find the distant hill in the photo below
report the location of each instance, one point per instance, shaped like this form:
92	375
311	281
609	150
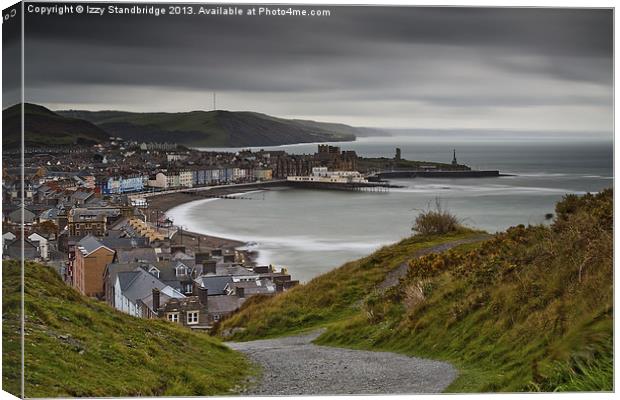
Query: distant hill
79	347
215	128
530	309
45	127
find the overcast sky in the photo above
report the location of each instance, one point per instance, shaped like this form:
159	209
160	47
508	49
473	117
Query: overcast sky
530	69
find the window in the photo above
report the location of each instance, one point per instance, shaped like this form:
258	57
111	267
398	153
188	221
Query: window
154	271
181	270
173	317
188	288
192	317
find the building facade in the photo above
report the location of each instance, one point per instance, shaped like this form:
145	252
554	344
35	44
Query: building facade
91	258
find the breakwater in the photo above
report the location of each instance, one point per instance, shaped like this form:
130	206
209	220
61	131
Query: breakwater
437	174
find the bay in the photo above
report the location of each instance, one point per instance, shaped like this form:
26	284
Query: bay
313	231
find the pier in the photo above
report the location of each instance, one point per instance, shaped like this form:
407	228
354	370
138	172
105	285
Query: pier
376	187
322	178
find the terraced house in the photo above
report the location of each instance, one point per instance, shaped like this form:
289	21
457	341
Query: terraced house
91	258
90	221
133	293
190	311
186	178
120	185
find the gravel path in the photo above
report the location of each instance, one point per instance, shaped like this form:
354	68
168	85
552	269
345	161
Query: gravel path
294	366
392	278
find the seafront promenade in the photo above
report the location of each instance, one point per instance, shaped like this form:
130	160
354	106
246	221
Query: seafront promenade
228	187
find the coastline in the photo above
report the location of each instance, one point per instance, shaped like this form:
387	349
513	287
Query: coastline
161	204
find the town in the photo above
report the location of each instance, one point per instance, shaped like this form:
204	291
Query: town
92	213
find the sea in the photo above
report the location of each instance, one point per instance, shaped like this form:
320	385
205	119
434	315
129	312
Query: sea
311	232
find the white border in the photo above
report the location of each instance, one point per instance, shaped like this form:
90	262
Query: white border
474	3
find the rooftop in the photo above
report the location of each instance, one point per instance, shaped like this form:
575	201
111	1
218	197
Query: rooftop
89	243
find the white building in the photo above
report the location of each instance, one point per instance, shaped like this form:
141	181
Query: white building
133	290
186	179
160	181
173	180
43	245
322	175
8	237
175	157
167	180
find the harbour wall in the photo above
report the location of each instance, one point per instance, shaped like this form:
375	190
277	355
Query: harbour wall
438	174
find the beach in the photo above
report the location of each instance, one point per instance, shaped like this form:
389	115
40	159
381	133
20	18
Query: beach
198	242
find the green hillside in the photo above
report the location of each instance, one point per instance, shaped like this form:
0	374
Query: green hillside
330	297
528	310
214	128
44	127
78	347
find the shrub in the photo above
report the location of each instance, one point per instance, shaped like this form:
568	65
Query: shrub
436	221
415	293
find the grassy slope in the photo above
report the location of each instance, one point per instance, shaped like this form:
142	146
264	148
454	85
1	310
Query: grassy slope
331	297
76	346
215	128
44	127
530	309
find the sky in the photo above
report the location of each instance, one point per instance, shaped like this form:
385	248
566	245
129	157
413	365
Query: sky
386	67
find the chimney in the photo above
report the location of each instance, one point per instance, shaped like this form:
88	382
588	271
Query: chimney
202	293
240	292
155	300
279	286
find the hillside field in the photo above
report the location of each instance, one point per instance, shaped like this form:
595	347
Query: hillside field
79	347
530	309
218	128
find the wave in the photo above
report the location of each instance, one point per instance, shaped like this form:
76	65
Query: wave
181	217
182	209
517	174
279	249
598	176
539	174
487	190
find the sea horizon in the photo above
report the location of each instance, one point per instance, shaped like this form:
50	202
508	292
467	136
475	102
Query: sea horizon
542	173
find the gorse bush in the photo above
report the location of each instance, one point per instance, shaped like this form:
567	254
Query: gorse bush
328	297
530	309
436	221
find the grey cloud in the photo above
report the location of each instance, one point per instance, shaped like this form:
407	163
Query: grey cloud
418	58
